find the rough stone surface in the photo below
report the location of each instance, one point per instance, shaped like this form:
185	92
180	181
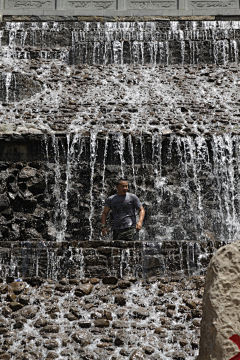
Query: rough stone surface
221	305
95	326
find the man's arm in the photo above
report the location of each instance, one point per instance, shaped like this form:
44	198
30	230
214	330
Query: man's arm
104	220
141	217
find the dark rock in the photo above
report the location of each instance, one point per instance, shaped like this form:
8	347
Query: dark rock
148	350
3	322
70	317
11	297
120	300
73	281
101	323
62	288
40	323
24	299
7	311
52	355
76	312
81	338
94	281
4	202
50	329
84	289
34	281
84	324
137	355
51	344
15	306
110	280
29	311
140	313
17	286
3	330
123	284
5	356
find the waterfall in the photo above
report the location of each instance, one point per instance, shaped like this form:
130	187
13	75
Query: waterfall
82	104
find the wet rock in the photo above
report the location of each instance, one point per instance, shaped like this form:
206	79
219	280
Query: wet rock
11	297
51	355
26	173
81	338
137	355
29	311
76	311
148	350
24	299
35	281
3	330
94	281
120	325
140	313
62	288
51	344
4	202
70	317
15	306
6	311
84	289
120	300
17	287
121	338
40	323
19	323
5	356
50	329
123	284
84	324
101	323
110	280
73	281
3	289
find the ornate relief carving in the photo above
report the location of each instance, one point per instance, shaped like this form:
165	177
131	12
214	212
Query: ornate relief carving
91	4
213	4
152	5
32	4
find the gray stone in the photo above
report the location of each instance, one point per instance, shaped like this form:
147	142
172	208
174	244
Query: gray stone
221	304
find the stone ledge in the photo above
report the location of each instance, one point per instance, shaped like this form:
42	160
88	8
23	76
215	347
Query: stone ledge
62	18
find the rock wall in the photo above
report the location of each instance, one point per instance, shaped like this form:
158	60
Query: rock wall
220	319
114	318
53	190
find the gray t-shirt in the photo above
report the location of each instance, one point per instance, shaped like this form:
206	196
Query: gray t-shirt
123	208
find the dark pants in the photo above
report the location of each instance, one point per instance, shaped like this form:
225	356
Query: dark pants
124	234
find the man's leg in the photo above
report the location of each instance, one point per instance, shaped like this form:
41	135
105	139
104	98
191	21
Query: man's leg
124	234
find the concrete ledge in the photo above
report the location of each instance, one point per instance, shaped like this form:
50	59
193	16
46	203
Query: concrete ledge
31	18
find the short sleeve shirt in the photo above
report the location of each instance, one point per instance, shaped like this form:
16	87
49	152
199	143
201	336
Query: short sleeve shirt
123	208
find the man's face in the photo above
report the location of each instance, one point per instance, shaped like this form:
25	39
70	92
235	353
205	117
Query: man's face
122	187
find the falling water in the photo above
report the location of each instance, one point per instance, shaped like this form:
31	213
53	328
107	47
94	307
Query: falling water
123	99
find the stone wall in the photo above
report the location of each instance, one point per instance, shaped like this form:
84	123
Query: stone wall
51	201
70	9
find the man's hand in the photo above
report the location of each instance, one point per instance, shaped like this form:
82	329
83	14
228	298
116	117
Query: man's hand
104	231
139	226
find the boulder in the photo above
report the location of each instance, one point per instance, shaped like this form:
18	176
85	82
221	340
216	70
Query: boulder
221	302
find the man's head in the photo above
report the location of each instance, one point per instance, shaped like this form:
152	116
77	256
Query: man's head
122	186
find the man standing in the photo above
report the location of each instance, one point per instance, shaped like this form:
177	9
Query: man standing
123	206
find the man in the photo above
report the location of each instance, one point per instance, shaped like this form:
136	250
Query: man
123	206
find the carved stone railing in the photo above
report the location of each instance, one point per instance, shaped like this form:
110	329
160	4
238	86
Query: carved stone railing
71	9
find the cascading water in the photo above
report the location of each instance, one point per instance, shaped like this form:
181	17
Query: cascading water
83	104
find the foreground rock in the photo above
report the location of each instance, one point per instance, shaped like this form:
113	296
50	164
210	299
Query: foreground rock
106	321
221	305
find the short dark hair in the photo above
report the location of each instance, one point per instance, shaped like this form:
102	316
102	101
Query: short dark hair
121	179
